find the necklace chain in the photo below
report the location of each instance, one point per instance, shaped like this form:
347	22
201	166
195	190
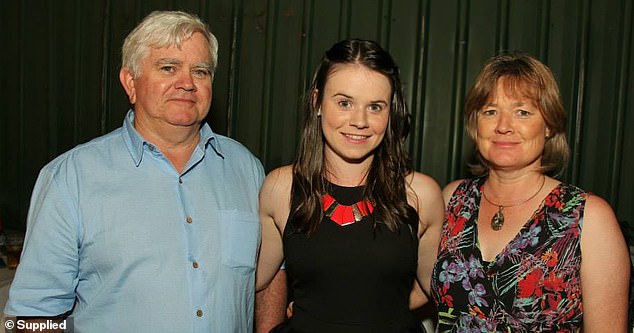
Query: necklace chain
497	221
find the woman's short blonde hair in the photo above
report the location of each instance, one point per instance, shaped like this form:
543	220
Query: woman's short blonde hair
163	29
525	76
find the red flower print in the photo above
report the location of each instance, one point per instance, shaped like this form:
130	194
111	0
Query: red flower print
553	282
455	210
553	301
444	298
457	226
474	310
550	257
552	200
569	315
530	284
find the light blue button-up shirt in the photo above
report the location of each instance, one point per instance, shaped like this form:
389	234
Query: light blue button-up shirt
115	231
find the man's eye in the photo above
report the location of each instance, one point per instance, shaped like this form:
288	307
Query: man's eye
200	73
168	69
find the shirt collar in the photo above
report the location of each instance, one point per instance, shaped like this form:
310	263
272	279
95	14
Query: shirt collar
135	142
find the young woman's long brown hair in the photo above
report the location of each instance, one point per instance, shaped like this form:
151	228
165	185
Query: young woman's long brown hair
385	186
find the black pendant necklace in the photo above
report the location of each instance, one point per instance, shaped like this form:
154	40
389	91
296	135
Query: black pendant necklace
497	221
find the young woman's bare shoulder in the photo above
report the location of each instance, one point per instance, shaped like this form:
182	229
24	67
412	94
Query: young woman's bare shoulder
278	179
422	183
425	196
276	190
423	189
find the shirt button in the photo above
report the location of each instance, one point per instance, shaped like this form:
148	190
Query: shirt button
180	180
195	264
199	313
189	220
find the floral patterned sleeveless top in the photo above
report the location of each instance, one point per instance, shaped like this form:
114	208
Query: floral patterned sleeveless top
532	285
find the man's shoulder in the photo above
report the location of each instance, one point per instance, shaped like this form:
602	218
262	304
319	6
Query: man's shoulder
99	147
234	149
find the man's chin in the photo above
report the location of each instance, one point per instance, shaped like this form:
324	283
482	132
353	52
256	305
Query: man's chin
186	120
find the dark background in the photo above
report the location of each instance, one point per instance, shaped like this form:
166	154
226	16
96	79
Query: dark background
60	62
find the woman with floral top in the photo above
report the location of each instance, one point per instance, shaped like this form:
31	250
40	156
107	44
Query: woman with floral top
520	250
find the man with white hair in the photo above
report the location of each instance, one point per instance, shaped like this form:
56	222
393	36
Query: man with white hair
154	226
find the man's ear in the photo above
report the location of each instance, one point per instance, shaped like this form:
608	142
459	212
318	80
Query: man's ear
127	81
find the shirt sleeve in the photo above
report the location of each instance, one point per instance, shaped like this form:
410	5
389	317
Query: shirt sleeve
46	278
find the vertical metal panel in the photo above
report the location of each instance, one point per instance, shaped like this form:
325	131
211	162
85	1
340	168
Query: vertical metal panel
625	177
576	109
282	80
524	23
419	84
225	21
566	51
365	19
52	83
598	124
436	134
34	118
484	33
89	59
123	15
544	30
13	193
459	73
254	60
105	66
503	13
65	90
405	18
323	30
622	80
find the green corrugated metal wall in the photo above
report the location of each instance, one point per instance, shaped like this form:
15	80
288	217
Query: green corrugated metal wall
60	86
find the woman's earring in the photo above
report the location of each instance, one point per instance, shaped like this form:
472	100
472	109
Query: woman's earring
318	113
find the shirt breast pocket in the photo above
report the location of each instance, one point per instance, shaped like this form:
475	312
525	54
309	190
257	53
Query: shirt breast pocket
240	233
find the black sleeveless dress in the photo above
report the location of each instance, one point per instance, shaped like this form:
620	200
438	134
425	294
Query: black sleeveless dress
351	278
